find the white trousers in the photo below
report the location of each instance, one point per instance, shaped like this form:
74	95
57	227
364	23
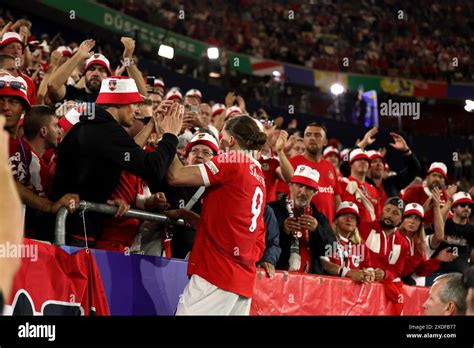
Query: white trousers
203	298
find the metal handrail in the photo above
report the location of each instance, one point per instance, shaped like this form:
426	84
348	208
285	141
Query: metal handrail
62	214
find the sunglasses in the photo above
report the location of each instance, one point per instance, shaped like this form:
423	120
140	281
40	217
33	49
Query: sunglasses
464	204
12	84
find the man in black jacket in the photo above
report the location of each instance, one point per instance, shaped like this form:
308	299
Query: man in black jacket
304	231
97	149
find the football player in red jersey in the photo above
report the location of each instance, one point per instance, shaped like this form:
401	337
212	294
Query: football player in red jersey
231	236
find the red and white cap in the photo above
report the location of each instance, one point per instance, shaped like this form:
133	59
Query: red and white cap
439	167
414	208
69	120
217	109
358	154
174	94
233	110
204	139
9	37
98	59
194	93
306	176
20	93
375	154
386	167
66	51
462	197
347	208
329	151
344	152
158	83
118	90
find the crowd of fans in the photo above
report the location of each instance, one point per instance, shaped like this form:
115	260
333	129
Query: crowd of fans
82	131
389	37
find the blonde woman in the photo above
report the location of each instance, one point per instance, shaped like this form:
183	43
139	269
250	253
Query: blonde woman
413	230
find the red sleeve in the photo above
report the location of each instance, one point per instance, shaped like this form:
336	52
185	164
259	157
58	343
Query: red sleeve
428	267
216	171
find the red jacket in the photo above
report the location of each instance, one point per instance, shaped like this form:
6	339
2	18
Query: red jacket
386	252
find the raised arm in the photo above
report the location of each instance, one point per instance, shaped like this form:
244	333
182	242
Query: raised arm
56	84
286	168
132	69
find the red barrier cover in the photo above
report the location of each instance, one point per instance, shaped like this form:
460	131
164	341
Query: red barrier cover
52	282
311	294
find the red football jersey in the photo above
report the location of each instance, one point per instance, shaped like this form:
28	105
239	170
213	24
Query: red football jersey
269	166
418	194
19	160
231	235
328	184
368	191
386	252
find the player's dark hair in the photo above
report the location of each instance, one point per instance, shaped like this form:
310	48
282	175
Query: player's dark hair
319	125
35	119
245	130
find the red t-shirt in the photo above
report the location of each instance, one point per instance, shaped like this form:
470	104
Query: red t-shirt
386	252
269	166
417	194
230	238
368	191
328	184
382	194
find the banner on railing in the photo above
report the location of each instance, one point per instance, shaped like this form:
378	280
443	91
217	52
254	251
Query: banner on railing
53	282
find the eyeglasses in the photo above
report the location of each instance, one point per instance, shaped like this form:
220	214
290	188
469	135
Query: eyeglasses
12	84
464	204
205	153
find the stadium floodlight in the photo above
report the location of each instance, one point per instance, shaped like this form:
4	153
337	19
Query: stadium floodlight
213	53
166	51
337	89
469	107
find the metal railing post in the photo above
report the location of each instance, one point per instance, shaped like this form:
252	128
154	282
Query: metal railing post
62	214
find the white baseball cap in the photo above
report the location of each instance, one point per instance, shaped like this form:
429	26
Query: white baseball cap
306	176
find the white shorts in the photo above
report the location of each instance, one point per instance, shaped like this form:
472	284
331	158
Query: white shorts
203	298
